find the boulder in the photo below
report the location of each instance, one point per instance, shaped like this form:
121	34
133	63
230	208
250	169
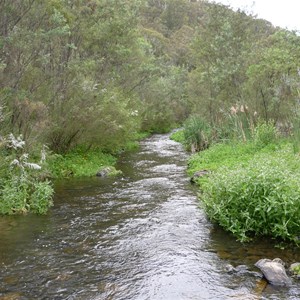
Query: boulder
274	271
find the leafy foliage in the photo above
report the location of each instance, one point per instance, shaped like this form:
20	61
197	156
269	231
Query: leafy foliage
178	136
93	74
259	199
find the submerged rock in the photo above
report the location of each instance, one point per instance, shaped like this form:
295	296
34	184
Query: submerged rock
274	271
108	171
241	270
230	269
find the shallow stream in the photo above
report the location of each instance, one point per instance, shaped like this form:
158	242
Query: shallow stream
142	236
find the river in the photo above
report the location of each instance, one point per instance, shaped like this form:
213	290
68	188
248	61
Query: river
141	236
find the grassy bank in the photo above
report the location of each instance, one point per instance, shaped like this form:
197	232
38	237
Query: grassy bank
82	162
79	162
253	188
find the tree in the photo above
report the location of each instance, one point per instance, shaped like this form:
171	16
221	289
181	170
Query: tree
221	56
273	77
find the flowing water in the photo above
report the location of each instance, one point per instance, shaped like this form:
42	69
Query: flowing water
142	236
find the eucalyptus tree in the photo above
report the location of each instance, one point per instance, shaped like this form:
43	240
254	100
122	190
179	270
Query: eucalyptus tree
220	50
273	77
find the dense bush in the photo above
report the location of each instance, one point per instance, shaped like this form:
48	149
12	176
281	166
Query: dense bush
20	195
260	198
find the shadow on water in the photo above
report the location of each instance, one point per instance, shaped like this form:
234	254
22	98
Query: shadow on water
139	236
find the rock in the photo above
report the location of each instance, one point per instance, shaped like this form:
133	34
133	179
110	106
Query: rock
274	271
199	174
230	269
103	172
241	270
108	171
294	269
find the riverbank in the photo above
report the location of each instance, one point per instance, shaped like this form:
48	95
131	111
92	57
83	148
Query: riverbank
26	178
84	162
253	187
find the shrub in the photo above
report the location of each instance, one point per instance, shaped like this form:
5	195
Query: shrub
14	195
20	195
261	198
41	198
20	188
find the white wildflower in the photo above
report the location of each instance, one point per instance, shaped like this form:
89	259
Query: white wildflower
24	157
15	162
15	143
134	113
32	166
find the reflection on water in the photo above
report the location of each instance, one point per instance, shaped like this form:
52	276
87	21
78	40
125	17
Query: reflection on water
142	236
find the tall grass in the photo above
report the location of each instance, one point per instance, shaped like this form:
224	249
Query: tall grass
236	124
295	133
197	133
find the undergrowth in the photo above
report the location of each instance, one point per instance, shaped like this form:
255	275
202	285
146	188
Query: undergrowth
257	198
254	186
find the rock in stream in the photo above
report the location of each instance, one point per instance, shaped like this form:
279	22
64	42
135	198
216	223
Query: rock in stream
274	271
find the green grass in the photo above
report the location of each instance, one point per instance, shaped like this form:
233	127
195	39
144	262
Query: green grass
134	144
79	163
253	190
178	136
229	154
